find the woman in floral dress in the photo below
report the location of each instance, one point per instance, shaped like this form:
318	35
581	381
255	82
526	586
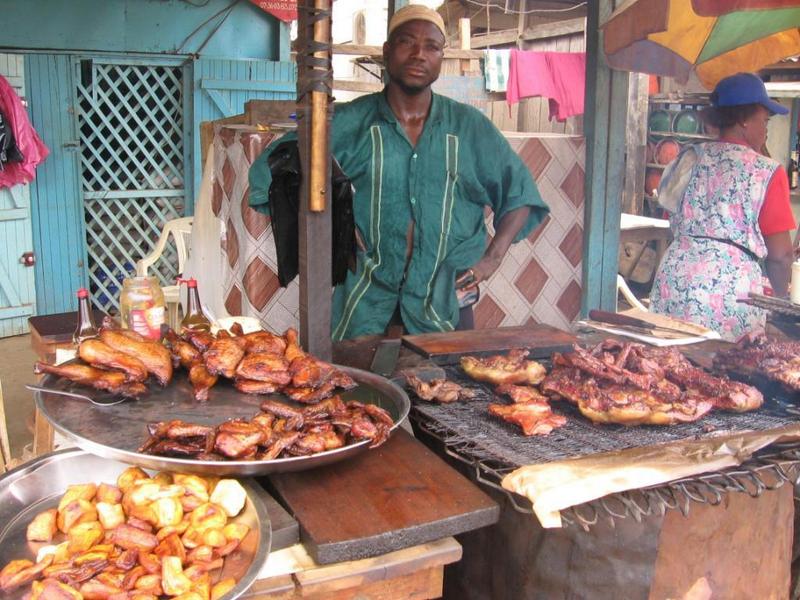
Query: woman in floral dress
732	215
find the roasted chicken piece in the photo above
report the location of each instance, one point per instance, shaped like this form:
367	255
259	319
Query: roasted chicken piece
223	356
21	572
201	380
534	417
499	369
249	386
521	393
111	381
155	357
310	372
264	341
308	395
183	353
438	390
293	349
264	366
201	340
99	354
238	438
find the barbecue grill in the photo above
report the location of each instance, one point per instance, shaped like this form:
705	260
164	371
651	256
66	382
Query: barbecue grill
494	448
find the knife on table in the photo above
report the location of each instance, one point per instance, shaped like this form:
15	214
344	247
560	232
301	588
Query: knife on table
385	358
618	319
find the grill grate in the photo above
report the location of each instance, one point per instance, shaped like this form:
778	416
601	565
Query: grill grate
579	437
494	448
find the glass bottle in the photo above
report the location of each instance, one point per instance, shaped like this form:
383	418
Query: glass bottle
142	306
86	328
194	320
794	170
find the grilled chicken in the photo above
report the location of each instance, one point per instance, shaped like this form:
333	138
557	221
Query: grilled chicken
521	393
499	369
202	380
264	366
112	381
99	354
155	357
250	386
183	353
438	390
223	356
534	417
264	341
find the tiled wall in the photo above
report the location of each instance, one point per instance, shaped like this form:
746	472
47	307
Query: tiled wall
539	281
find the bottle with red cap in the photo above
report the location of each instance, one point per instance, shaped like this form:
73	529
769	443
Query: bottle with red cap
194	320
86	328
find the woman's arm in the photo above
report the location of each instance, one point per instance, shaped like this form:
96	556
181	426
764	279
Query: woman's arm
779	261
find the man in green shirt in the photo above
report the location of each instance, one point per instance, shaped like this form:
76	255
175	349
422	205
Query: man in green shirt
424	168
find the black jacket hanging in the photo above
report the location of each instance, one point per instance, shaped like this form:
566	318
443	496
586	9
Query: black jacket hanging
284	204
9	152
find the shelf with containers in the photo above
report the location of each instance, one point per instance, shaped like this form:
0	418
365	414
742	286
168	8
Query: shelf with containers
672	122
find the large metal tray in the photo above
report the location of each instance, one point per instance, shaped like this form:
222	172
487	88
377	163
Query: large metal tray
39	484
117	431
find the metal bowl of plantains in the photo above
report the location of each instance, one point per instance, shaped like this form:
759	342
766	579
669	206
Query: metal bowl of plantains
60	512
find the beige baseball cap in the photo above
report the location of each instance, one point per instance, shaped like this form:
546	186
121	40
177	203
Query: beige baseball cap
416	12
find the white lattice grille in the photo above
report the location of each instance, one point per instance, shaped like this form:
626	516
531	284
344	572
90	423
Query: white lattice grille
130	120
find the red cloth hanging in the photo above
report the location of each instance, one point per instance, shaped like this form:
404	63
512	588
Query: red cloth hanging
559	76
33	149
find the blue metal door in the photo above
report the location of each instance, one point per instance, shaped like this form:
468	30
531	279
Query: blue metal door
58	236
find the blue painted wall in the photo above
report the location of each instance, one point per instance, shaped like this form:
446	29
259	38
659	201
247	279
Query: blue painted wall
142	26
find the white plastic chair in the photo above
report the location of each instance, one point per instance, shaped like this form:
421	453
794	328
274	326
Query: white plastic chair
181	231
630	298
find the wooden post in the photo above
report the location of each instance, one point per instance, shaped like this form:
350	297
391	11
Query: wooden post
635	143
393	6
315	194
465	40
604	126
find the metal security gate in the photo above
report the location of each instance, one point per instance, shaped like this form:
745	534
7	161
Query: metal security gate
131	129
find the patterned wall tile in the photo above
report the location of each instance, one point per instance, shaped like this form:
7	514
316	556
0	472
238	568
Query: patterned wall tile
538	281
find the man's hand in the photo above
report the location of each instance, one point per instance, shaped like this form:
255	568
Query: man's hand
480	271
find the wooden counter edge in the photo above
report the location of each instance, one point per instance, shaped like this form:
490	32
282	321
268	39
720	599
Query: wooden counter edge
353	574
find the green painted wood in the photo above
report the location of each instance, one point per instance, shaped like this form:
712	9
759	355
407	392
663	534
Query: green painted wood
222	86
58	229
17	292
142	26
604	128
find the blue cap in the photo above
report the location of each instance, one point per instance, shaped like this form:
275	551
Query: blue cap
745	88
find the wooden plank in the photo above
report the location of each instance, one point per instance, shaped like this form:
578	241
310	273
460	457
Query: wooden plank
711	555
401	563
285	529
635	144
346	85
421	585
377	51
447	348
537	32
395	496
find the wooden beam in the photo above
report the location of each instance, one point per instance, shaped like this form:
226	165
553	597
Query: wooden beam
604	126
377	51
537	32
313	112
463	42
636	143
356	86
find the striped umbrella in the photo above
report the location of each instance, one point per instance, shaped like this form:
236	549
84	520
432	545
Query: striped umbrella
713	38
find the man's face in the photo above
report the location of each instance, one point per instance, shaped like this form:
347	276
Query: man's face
413	55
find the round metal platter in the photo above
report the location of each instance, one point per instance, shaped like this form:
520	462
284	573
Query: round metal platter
117	431
39	484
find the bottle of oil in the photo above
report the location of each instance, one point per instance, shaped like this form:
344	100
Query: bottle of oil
142	306
86	328
194	319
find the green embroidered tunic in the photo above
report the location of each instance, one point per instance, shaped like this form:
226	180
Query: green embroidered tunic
460	165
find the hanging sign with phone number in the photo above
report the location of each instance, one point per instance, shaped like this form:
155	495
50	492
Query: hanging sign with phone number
285	10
